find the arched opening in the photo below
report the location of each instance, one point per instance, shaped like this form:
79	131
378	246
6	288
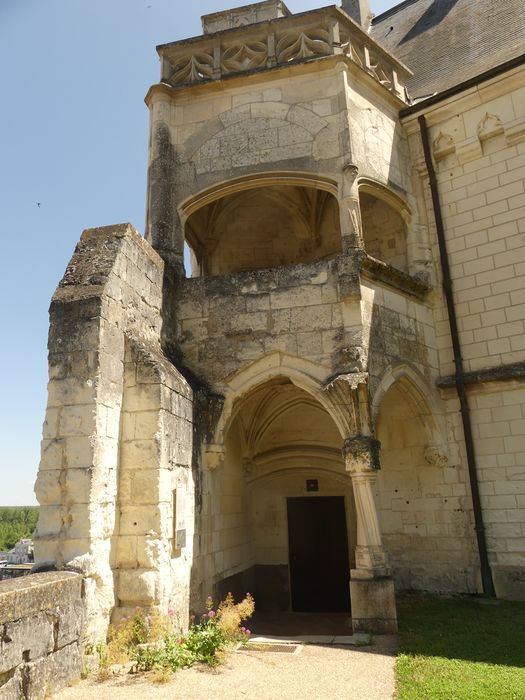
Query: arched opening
264	227
281	509
384	230
422	500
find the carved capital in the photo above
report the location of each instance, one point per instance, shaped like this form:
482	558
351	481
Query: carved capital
361	454
351	170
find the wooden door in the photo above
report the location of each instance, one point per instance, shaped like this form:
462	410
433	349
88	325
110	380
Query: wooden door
318	552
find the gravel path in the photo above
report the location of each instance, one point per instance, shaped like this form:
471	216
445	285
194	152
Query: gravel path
316	672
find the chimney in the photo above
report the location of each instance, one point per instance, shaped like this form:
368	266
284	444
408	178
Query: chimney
359	10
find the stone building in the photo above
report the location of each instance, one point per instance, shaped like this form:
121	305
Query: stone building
331	406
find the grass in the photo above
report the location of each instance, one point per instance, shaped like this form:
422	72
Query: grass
460	649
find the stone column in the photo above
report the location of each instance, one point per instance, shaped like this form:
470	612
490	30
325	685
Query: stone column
371	585
349	211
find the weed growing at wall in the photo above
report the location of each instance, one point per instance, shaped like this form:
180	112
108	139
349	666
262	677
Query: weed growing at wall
151	642
205	641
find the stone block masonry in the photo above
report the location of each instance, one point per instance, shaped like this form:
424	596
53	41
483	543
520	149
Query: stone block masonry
41	634
117	434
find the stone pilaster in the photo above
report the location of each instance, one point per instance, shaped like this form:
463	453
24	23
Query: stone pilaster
371	586
164	229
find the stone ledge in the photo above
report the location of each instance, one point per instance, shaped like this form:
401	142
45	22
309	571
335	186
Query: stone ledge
32	594
501	373
381	272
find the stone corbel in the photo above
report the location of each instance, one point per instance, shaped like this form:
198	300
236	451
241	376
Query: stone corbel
248	467
213	456
489	127
348	394
443	146
435	456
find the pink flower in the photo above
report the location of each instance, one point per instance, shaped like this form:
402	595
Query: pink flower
211	614
247	633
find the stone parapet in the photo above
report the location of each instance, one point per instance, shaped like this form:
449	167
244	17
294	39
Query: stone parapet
41	634
261	45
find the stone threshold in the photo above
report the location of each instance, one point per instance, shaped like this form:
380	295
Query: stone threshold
357	639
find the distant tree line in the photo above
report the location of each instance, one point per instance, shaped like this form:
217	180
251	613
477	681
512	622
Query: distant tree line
16	523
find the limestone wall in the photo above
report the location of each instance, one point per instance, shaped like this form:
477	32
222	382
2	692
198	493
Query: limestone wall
118	413
225	552
41	634
225	323
306	118
424	504
478	143
397	329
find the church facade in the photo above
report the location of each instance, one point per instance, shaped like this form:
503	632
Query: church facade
330	406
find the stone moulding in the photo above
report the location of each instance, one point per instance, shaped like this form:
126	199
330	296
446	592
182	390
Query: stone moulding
276	43
382	272
502	373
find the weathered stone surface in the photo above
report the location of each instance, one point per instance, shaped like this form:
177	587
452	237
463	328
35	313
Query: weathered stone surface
21	598
373	606
183	413
42	620
48	675
11	685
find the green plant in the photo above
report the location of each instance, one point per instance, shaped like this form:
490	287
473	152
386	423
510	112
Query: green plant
204	642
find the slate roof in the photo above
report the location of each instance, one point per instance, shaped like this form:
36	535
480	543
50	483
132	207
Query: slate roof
445	42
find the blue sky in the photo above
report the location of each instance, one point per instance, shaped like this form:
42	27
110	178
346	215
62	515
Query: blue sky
73	137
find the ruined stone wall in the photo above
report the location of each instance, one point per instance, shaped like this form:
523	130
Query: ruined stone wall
156	492
105	355
42	620
478	142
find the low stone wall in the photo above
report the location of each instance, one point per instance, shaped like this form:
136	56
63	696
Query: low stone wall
41	628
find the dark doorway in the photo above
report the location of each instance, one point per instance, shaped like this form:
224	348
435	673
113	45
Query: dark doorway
318	547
